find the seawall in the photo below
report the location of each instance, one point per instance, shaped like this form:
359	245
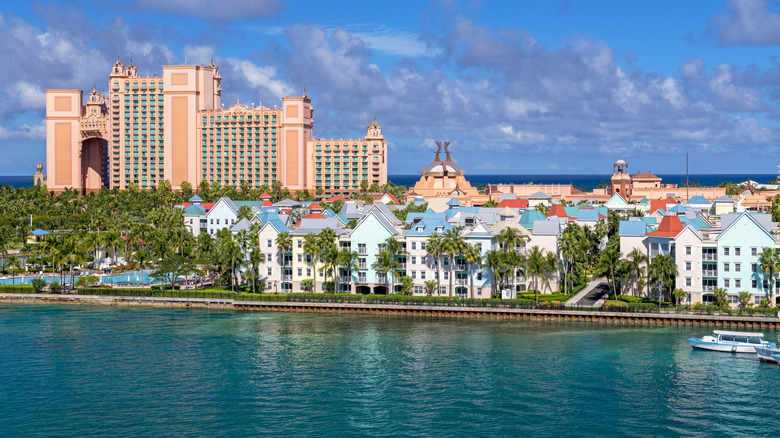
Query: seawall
614	318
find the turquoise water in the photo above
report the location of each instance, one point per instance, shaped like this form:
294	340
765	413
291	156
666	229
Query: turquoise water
88	371
130	277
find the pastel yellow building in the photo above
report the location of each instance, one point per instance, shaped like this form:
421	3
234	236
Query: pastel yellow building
150	128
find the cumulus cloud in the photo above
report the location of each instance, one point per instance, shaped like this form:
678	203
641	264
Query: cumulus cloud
24	132
746	22
223	10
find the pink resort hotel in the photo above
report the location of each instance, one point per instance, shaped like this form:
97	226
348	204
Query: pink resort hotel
173	127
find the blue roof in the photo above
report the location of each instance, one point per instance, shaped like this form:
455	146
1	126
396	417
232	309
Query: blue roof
632	228
698	200
195	198
588	214
410	217
328	213
685	221
273	219
429	227
650	220
453	201
679	208
39	232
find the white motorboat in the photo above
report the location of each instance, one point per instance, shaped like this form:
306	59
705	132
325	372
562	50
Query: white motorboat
730	342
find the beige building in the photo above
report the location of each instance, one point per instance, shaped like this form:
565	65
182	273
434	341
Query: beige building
148	129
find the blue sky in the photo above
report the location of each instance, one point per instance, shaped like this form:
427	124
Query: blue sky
518	87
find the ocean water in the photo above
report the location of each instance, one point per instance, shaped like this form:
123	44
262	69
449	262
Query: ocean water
103	371
590	181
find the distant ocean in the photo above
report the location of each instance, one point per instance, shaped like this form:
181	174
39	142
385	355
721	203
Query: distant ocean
591	181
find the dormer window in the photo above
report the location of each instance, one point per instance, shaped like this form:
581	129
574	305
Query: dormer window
419	229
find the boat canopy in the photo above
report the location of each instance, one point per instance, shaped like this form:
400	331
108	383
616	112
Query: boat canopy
747	334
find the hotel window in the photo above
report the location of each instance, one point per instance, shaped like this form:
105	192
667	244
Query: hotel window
737	283
687	250
725	267
737	267
300	272
300	258
725	250
269	271
300	244
422	275
414	274
413	260
479	291
688	281
726	282
269	243
446	275
754	283
753	251
687	266
308	272
479	276
414	245
737	251
754	267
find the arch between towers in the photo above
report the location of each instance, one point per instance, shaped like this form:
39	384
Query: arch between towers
93	152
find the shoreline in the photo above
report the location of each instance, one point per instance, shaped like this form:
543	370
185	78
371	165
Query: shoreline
614	318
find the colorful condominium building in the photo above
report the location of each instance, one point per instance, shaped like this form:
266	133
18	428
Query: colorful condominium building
173	127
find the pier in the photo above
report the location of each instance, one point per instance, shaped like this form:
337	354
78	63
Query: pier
424	311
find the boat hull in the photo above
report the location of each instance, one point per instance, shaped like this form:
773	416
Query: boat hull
698	344
768	354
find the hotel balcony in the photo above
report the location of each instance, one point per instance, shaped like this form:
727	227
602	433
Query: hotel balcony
287	278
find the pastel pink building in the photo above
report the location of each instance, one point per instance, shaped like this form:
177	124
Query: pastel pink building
148	129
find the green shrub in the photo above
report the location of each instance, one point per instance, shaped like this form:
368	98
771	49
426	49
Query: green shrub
55	287
38	284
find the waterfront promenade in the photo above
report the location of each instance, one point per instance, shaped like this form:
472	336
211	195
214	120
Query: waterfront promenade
411	310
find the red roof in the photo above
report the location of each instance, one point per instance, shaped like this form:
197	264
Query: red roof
670	226
336	198
557	210
314	216
513	203
206	205
265	195
267	203
656	204
669	200
392	198
314	206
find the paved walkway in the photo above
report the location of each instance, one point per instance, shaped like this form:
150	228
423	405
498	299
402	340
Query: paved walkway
592	295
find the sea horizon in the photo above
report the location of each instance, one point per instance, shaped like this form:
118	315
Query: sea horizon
589	181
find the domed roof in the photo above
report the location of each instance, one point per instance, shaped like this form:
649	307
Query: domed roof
440	168
620	162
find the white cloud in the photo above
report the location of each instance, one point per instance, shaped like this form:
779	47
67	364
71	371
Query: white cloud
746	22
260	77
24	132
30	96
224	10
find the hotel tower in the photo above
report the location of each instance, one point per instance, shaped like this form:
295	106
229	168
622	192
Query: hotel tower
174	127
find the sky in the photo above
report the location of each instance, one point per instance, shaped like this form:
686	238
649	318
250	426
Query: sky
517	87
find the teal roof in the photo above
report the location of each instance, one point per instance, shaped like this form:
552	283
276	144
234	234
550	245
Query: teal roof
195	198
194	210
701	222
529	217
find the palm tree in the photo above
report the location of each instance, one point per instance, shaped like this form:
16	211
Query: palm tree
283	244
662	271
142	257
394	248
636	259
349	261
12	263
495	262
311	247
473	256
331	265
434	248
430	285
535	267
256	257
608	263
569	249
551	265
453	244
768	261
385	264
